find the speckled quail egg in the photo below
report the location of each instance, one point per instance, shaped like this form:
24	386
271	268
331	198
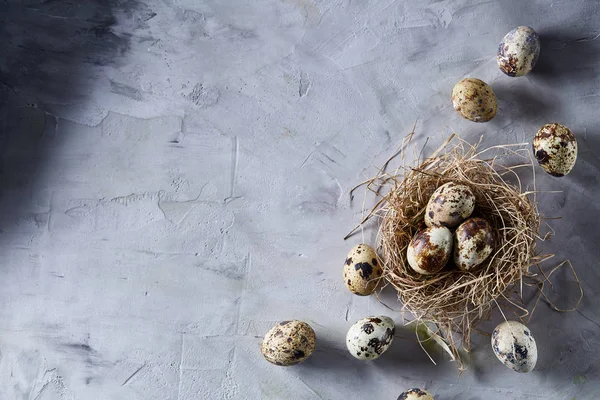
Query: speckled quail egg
518	51
288	343
449	205
415	394
514	346
430	249
370	337
555	149
474	100
474	241
362	270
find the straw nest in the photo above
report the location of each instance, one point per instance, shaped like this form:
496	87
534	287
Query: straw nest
451	303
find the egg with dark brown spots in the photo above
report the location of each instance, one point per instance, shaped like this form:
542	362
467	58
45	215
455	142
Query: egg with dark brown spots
555	149
415	394
449	205
370	337
514	345
518	51
288	343
474	100
362	270
474	242
429	250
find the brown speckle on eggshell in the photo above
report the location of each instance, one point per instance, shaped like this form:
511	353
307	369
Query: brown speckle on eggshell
362	270
288	343
555	148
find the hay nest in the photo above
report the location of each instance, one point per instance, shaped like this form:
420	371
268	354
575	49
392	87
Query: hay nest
451	303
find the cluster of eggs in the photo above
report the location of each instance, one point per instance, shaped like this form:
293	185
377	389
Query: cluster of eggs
554	145
471	243
290	342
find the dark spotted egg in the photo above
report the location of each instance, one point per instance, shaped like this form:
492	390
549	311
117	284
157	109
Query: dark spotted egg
429	250
370	337
415	394
288	343
514	346
518	51
474	100
449	205
474	242
555	149
362	270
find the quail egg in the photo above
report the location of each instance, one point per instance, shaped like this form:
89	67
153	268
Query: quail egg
555	149
514	346
362	270
518	51
474	100
288	343
430	249
449	205
474	241
415	394
370	337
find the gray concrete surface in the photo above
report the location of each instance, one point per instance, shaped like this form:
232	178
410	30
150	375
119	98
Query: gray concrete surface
175	178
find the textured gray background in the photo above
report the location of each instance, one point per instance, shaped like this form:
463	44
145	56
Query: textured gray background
175	178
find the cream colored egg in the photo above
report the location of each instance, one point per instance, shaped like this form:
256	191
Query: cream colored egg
515	346
555	149
518	51
474	100
415	394
288	343
362	270
430	249
474	242
449	205
370	337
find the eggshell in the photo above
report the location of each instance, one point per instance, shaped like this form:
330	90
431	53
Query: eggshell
288	343
362	270
449	205
474	241
555	149
474	100
518	51
430	249
415	394
515	346
370	337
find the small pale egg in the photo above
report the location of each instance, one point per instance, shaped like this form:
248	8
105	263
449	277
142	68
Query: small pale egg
288	343
370	337
474	241
430	249
449	205
415	394
555	149
362	270
515	346
474	100
518	51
